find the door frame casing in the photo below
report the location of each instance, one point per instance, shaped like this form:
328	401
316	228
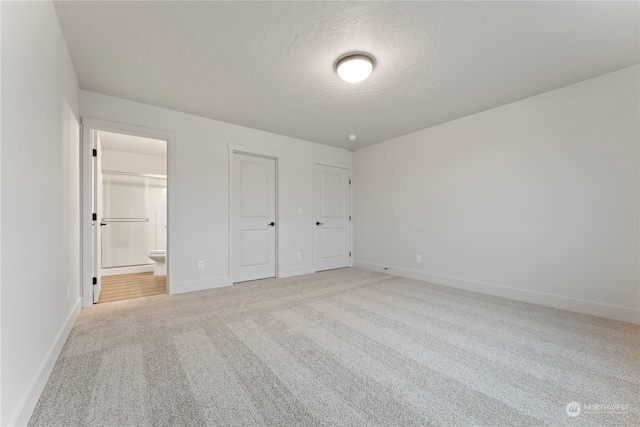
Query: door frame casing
331	163
90	125
256	152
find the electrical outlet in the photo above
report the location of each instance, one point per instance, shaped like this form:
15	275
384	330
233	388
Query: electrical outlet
298	255
300	210
418	259
68	290
200	265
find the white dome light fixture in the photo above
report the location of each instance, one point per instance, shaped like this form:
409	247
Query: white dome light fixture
355	67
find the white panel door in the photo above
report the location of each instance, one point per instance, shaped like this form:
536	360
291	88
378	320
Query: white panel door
331	217
98	224
254	211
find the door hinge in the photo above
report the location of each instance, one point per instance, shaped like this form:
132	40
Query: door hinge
95	153
95	280
94	217
349	254
349	182
349	217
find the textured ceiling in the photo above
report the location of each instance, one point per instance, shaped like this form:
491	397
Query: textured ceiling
269	65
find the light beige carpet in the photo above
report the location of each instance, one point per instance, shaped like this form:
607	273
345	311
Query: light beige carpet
344	347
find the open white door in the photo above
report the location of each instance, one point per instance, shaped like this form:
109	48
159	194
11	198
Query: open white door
331	217
254	216
97	209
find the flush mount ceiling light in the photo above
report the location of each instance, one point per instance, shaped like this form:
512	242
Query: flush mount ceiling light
355	67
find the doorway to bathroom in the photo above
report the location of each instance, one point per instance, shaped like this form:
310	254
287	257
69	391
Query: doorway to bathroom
132	212
129	228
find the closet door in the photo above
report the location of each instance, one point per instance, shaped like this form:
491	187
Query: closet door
254	209
332	217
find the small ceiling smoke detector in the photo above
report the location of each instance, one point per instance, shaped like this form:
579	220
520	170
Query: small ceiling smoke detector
352	137
355	67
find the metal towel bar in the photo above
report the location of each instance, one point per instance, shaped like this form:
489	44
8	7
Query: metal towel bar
125	219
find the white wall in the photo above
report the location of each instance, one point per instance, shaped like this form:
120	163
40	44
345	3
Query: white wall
133	162
535	200
40	209
199	169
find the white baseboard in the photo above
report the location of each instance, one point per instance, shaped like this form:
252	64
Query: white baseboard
296	271
199	285
609	311
30	399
